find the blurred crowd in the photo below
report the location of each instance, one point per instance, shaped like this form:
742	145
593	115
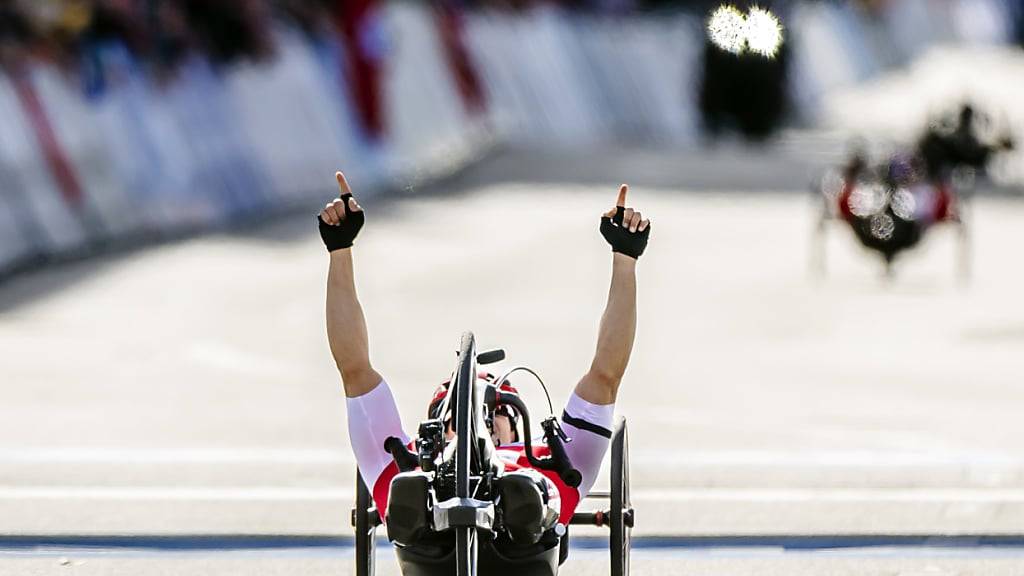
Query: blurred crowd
164	32
158	36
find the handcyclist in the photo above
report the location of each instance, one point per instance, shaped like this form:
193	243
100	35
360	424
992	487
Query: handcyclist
533	500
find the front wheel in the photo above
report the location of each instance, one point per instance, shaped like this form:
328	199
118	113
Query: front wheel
465	406
465	551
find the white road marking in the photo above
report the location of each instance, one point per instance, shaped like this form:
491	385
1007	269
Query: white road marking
823	458
228	455
687	495
177	493
638	457
834	495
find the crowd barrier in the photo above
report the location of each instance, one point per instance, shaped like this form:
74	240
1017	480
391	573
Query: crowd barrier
837	45
82	167
573	80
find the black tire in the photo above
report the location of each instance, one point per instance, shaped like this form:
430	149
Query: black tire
621	521
366	529
465	551
465	379
465	384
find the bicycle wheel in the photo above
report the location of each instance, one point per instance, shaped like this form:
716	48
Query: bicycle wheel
465	551
366	528
621	521
465	403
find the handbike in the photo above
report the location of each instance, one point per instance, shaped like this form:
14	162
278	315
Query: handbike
460	531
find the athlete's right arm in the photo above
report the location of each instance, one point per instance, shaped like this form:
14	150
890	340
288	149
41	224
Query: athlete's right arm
339	223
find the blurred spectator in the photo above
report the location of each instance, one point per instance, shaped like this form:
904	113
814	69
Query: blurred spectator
229	30
945	148
745	92
16	35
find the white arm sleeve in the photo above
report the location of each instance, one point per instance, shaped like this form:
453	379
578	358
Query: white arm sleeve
372	419
590	427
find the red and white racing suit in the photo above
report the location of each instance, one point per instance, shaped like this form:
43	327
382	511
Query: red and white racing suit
373	418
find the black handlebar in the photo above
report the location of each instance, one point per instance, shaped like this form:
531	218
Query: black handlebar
553	437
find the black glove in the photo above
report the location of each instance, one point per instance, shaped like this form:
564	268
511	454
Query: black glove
622	240
342	235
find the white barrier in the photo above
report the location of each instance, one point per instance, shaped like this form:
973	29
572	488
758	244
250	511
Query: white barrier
429	128
558	78
106	210
835	46
128	115
534	72
29	187
828	52
648	71
306	138
209	145
14	245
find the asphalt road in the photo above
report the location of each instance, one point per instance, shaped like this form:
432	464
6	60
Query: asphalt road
766	561
187	388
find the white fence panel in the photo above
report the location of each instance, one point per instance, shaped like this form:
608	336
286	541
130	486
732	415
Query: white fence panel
225	181
14	246
537	76
129	139
428	128
29	180
824	55
107	209
290	119
648	70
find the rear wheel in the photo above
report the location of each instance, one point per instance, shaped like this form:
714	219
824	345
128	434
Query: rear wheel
366	528
621	520
465	383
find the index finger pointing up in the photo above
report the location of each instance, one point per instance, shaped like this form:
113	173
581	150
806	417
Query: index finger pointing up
621	201
342	184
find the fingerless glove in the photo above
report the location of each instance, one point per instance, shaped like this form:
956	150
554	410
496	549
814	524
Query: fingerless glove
342	235
621	239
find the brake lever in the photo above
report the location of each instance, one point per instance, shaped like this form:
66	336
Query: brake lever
551	426
554	437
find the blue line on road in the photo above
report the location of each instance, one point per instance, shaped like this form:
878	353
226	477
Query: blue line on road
889	546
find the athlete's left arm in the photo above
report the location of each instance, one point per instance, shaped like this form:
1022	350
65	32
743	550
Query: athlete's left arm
627	231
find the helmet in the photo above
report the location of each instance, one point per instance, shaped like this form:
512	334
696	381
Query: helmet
433	410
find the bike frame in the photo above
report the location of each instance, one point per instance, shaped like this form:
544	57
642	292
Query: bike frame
465	514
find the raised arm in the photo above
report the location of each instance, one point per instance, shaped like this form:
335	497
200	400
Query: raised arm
339	224
627	232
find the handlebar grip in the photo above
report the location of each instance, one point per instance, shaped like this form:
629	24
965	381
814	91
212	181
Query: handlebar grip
406	460
490	356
